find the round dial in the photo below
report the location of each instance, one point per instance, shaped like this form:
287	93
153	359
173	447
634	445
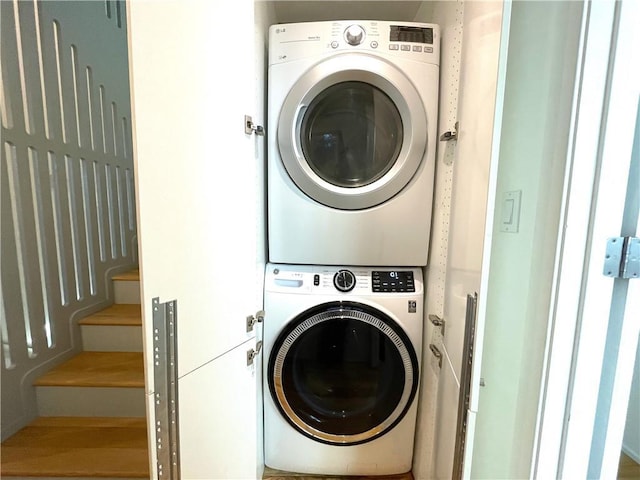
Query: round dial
344	280
354	35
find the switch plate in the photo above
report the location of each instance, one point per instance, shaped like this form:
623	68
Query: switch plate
510	218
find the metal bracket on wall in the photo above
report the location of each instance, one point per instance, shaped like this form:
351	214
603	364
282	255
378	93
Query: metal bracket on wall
165	376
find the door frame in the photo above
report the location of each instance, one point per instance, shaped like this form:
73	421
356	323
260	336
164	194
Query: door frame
575	411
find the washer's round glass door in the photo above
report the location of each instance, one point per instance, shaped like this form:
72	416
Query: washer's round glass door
352	132
343	373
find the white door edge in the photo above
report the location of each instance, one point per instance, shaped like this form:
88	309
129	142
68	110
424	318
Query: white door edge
583	294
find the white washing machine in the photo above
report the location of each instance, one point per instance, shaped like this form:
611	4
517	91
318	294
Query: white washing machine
353	108
342	350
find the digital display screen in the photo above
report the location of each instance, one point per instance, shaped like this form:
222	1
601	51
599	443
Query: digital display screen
392	281
401	33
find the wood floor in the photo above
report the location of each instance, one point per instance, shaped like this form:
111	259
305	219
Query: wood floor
118	447
628	469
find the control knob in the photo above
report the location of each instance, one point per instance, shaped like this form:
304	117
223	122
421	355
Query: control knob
344	280
354	35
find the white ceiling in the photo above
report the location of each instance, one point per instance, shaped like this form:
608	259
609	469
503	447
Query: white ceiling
290	11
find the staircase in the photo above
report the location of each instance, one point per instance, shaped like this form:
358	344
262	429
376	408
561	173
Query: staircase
92	407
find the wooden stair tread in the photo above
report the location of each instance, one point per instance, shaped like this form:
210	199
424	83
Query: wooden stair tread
78	447
97	369
121	314
130	276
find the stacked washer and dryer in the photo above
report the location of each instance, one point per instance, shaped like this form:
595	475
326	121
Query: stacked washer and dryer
351	154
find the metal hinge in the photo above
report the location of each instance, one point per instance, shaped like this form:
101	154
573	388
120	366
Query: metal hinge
253	319
450	135
251	354
622	257
436	353
437	321
250	127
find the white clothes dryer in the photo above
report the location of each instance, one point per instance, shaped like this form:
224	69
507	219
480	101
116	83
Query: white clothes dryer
353	109
342	353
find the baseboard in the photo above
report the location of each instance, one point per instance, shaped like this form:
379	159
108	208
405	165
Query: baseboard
632	454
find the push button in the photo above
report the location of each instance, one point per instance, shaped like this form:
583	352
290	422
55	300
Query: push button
316	279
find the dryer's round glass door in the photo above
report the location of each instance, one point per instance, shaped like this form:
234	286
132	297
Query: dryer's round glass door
343	373
351	134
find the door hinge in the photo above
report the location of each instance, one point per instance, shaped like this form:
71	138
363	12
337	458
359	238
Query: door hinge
622	258
450	135
436	353
437	321
250	127
253	319
251	354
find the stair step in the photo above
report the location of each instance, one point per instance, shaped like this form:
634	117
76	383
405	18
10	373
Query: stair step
126	287
117	328
97	369
90	402
130	276
125	314
78	447
111	339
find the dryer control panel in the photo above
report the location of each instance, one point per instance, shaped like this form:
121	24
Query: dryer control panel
308	279
293	41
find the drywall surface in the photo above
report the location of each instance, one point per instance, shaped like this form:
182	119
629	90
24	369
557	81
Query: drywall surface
438	384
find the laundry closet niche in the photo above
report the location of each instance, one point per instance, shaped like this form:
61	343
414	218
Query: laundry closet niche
470	32
201	209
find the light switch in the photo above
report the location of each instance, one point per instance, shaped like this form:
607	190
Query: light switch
511	211
507	212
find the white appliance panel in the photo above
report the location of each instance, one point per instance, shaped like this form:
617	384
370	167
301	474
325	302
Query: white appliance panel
382	220
291	290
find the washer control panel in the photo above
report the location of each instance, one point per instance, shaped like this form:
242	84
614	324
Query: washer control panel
392	281
343	280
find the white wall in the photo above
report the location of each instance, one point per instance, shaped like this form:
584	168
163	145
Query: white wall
435	382
539	84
